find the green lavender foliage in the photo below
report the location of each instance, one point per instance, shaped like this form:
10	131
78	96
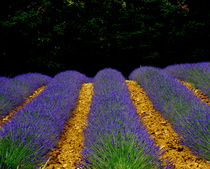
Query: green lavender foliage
123	154
15	153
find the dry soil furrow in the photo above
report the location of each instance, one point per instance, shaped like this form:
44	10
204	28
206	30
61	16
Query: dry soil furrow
195	91
6	118
163	133
68	150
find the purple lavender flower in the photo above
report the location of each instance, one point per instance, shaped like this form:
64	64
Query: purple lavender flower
14	91
3	80
114	130
196	73
177	104
39	123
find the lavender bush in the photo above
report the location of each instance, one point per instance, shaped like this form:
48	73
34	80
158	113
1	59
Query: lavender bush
196	73
188	115
115	137
3	80
34	130
14	91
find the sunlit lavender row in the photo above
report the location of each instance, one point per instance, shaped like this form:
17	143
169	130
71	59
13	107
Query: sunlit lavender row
115	136
14	91
196	73
189	116
38	125
3	80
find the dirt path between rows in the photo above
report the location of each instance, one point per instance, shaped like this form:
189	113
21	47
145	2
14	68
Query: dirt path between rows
162	132
6	118
68	150
195	91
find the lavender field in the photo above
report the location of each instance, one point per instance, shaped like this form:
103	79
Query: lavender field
149	121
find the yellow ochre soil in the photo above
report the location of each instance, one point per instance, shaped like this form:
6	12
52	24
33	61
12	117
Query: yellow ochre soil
68	150
6	118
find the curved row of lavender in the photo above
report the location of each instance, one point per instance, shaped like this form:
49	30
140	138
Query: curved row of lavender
196	73
14	91
115	137
189	116
34	130
3	80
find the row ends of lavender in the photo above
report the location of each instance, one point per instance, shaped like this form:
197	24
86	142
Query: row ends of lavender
188	115
34	130
14	91
115	136
196	73
3	80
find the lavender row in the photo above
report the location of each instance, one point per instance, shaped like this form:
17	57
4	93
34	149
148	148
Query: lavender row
115	137
188	115
37	126
196	73
3	80
14	91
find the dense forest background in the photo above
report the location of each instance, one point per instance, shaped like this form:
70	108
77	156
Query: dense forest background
50	36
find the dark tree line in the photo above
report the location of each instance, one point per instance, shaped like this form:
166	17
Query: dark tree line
53	35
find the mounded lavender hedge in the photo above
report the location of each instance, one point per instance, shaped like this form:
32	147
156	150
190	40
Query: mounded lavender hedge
14	91
115	136
3	80
196	73
35	129
189	116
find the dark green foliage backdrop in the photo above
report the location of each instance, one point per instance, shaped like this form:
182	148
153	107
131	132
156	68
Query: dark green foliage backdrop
50	36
